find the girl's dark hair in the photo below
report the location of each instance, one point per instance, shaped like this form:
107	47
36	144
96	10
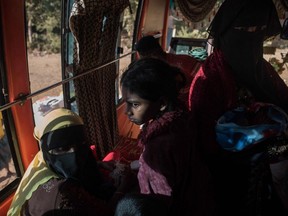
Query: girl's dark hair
142	205
152	79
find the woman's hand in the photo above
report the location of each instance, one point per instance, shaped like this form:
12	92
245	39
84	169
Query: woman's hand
107	165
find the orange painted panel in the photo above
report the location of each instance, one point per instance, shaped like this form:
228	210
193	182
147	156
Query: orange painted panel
126	128
14	43
5	205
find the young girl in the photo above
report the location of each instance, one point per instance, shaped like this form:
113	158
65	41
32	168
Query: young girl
169	163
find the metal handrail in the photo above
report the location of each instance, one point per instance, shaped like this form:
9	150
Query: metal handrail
23	98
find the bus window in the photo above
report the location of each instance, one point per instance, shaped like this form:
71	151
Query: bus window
125	39
43	29
7	167
10	168
184	36
67	52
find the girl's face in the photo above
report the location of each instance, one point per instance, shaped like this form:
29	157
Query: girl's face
139	110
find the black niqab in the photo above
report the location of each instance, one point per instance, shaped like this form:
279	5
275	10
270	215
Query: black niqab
239	29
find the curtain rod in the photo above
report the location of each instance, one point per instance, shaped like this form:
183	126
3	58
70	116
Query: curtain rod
23	98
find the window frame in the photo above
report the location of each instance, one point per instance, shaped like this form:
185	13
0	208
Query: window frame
9	127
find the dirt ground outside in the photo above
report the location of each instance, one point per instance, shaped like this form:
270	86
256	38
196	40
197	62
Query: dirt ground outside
43	72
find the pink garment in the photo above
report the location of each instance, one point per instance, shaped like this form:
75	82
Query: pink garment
151	181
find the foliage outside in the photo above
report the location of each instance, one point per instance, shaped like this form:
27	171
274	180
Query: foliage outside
128	21
43	30
184	28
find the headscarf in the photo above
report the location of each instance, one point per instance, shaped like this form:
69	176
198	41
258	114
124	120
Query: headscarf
60	128
62	131
245	13
66	152
36	174
239	29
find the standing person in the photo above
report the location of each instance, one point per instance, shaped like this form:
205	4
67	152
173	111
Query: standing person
169	164
148	46
63	178
236	74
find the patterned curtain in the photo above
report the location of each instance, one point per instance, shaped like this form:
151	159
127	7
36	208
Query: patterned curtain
285	4
95	24
282	7
195	10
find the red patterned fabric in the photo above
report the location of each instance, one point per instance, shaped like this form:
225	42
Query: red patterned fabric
189	66
212	92
186	63
170	165
128	150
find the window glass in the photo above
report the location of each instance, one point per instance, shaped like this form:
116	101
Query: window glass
67	54
180	28
275	51
126	40
70	48
44	59
7	167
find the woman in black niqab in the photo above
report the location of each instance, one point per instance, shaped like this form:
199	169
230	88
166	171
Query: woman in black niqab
239	29
236	74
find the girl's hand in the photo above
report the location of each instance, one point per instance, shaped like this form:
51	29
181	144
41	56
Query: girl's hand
128	180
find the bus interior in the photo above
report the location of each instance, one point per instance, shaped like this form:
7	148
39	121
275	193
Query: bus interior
71	53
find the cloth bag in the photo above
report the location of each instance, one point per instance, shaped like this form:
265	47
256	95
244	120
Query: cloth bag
246	127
